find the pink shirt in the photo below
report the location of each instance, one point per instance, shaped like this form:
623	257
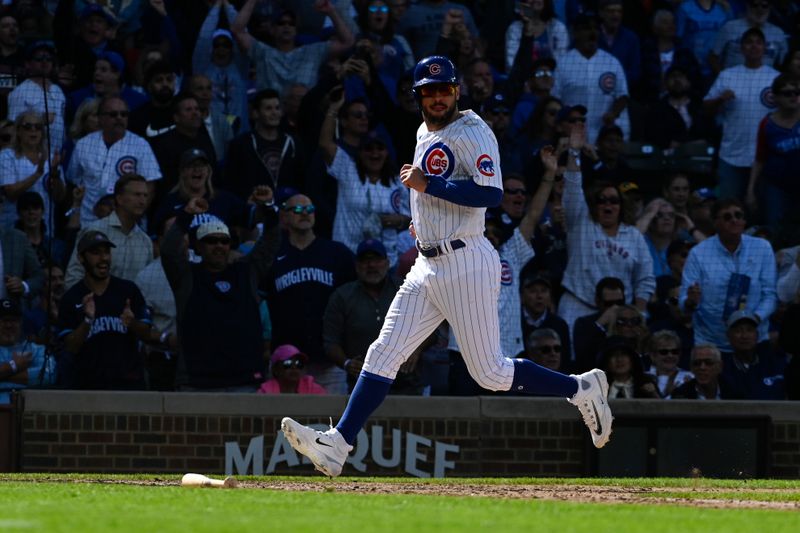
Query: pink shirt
306	385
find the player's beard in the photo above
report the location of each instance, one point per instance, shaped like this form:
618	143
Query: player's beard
443	119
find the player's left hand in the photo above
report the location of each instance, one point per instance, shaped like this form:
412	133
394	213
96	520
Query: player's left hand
413	178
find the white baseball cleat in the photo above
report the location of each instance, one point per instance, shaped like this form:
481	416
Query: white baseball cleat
326	449
592	401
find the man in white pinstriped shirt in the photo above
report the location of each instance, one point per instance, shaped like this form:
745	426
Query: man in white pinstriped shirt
454	178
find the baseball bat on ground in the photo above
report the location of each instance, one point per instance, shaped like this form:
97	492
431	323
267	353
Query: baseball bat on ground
199	480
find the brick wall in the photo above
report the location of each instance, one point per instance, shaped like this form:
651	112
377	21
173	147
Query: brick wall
177	433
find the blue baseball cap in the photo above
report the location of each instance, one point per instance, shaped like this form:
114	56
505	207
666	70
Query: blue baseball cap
114	59
96	9
371	246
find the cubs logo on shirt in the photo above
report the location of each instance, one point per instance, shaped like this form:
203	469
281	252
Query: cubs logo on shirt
438	160
126	165
607	82
396	200
485	165
506	273
223	286
767	98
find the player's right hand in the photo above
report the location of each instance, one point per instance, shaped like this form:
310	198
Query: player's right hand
413	178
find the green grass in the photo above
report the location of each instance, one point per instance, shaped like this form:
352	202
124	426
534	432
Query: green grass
62	505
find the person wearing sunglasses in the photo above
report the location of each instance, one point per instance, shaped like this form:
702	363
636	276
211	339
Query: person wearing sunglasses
30	94
629	323
27	167
284	62
544	348
772	189
739	98
102	157
220	334
726	51
370	200
728	272
708	382
392	55
664	351
602	242
307	270
287	366
457	276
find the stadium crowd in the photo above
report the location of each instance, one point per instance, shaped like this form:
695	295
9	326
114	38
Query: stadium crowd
203	195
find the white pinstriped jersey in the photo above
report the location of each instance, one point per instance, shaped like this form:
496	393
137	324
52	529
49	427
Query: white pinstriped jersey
464	149
514	255
98	167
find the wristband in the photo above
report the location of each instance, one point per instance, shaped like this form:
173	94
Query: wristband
13	365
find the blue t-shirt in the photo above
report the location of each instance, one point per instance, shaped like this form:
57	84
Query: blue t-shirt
697	29
778	149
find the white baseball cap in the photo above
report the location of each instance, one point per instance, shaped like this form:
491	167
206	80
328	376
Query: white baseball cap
215	227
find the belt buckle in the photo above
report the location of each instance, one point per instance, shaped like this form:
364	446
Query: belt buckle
428	251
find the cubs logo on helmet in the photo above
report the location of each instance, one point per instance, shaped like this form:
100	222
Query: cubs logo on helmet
767	98
126	165
438	160
434	69
607	82
485	165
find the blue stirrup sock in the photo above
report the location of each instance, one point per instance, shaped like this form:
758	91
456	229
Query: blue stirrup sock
530	378
368	394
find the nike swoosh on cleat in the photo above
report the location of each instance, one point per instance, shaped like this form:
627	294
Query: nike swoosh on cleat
322	443
599	430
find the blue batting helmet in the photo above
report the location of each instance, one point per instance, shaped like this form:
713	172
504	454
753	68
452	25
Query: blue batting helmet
434	69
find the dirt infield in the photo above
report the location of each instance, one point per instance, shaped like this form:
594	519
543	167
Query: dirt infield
694	497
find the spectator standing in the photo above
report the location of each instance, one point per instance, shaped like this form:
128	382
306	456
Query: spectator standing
773	173
219	323
752	369
354	315
593	78
535	91
663	52
285	63
102	319
664	351
698	22
134	247
599	242
266	155
156	116
727	51
707	383
216	124
788	288
217	56
22	276
537	31
618	40
189	132
108	80
287	366
12	58
660	228
537	314
726	273
27	167
422	24
102	157
38	90
741	96
677	117
371	202
23	364
96	28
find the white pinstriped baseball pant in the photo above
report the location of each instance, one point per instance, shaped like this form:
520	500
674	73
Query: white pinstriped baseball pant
462	287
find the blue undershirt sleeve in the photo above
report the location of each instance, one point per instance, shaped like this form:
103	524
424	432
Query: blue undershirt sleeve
463	192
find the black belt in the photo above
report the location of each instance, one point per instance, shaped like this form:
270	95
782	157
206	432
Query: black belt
435	251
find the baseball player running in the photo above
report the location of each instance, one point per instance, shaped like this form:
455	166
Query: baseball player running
454	178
